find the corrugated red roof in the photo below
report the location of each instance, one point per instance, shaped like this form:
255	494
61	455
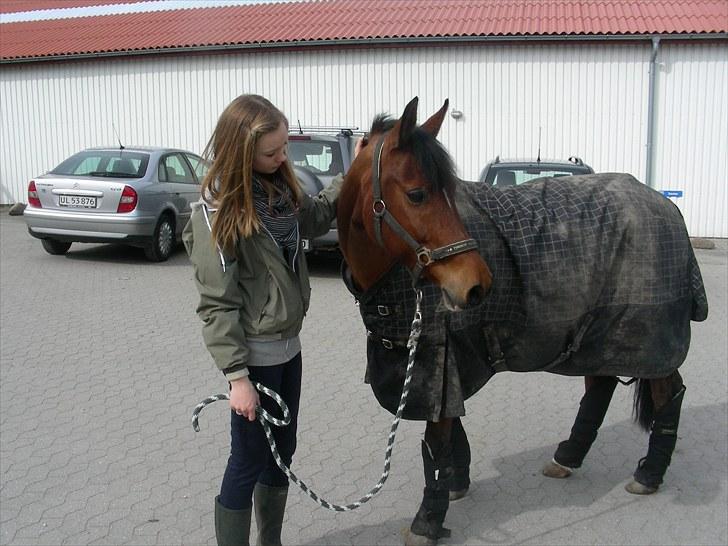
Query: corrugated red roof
17	6
328	20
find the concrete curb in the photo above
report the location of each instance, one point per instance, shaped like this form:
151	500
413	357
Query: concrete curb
700	242
16	209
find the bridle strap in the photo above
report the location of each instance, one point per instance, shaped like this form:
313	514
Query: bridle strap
425	256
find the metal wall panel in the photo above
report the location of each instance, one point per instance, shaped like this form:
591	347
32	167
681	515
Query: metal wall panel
588	100
692	133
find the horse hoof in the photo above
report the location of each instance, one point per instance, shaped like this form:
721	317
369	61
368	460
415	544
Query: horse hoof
555	470
637	488
459	494
411	539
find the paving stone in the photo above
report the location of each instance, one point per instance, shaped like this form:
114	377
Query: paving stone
102	361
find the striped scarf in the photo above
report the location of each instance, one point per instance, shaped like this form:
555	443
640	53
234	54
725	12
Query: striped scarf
278	215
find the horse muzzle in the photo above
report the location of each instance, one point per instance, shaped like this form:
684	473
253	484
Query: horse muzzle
465	281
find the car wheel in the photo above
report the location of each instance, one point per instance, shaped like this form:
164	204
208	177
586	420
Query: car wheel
57	248
162	244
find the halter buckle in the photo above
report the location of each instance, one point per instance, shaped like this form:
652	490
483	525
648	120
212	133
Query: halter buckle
424	256
379	207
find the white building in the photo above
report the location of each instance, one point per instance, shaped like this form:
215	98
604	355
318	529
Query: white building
643	91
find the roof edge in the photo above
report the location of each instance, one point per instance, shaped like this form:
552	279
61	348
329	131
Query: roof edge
404	41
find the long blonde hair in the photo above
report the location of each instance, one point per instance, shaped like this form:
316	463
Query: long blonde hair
228	183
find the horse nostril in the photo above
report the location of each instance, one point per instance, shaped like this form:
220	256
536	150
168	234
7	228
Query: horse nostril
475	296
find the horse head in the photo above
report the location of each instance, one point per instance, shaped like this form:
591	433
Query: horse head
397	205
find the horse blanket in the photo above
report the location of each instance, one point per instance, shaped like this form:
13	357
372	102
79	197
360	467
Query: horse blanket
592	275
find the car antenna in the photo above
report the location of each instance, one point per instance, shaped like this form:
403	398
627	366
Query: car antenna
538	157
121	146
300	129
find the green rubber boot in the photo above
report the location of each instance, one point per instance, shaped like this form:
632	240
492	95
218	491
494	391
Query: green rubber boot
270	505
232	527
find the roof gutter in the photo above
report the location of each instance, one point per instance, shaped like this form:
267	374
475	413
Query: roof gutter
651	97
370	42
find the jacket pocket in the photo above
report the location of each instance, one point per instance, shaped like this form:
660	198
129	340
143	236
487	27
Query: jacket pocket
283	307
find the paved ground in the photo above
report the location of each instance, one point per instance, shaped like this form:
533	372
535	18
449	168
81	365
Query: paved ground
102	363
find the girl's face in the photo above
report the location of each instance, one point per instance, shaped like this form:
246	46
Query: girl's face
271	150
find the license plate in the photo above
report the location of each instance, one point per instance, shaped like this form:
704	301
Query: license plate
80	201
305	244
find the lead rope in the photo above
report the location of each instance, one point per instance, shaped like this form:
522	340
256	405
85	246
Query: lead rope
264	417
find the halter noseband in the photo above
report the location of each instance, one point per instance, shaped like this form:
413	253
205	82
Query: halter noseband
425	256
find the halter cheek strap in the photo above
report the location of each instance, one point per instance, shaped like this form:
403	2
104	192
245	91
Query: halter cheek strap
425	256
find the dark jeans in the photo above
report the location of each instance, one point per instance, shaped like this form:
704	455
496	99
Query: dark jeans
250	457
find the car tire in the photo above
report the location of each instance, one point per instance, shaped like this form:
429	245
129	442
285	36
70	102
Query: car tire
163	240
57	248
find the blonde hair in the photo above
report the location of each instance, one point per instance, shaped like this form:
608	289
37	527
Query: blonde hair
229	182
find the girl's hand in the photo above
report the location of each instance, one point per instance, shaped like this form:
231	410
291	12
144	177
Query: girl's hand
244	398
363	141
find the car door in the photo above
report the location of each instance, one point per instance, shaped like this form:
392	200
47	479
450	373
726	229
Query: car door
200	168
176	174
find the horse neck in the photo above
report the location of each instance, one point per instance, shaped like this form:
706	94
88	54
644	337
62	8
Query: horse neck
367	261
476	214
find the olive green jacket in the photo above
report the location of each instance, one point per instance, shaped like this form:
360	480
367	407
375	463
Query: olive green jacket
255	294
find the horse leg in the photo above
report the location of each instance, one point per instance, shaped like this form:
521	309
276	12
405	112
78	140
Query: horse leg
461	461
667	396
592	409
437	461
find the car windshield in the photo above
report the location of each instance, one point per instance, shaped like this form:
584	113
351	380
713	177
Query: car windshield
512	176
320	157
105	163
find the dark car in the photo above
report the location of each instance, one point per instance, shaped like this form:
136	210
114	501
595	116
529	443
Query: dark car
502	173
318	155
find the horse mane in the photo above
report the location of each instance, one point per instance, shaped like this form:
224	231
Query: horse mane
433	159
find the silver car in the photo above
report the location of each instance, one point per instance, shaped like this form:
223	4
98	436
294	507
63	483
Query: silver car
139	196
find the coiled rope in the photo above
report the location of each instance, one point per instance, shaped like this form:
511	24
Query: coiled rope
265	418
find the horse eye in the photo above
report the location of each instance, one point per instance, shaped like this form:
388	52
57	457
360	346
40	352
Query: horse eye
418	196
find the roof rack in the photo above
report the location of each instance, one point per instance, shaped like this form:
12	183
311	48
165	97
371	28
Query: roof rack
328	129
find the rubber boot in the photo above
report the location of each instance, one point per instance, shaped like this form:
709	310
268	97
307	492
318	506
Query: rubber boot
460	482
232	527
651	469
438	474
270	505
592	409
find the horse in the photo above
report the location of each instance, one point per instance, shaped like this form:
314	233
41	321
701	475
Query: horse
589	276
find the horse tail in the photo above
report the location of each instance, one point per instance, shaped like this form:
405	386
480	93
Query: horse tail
643	410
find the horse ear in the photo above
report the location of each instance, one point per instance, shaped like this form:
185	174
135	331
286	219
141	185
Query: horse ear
408	122
433	124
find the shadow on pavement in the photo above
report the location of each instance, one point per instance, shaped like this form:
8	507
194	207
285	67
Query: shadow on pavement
518	487
122	254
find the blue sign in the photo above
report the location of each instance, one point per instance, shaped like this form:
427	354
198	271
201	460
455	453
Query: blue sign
672	193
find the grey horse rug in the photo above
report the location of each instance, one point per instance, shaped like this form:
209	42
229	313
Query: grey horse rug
592	275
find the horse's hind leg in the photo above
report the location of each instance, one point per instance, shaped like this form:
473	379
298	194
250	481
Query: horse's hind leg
460	482
592	409
427	526
667	396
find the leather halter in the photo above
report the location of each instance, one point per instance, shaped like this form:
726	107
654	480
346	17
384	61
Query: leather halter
425	256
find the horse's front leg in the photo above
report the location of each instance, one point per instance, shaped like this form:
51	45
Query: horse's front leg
427	526
592	409
460	461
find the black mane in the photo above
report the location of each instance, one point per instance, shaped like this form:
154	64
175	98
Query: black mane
433	159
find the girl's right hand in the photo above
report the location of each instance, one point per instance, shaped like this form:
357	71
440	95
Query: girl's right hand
244	398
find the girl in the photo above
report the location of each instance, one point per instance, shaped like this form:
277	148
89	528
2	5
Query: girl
244	242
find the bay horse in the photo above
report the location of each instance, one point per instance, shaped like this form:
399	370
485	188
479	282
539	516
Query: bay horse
588	276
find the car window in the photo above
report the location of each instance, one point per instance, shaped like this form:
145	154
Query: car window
174	168
198	165
104	163
318	156
512	176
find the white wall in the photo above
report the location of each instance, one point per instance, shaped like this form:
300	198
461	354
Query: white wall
589	100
